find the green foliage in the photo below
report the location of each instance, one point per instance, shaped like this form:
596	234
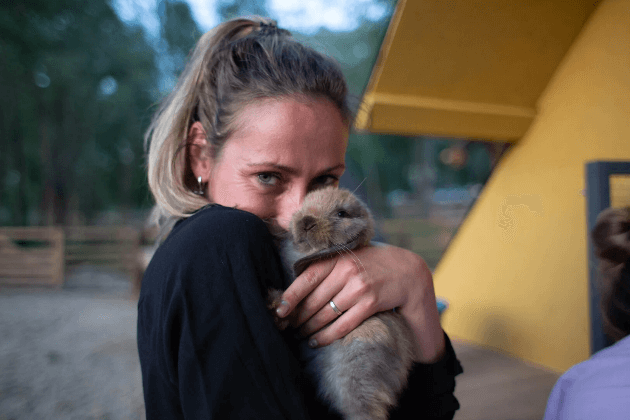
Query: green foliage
230	9
178	30
76	84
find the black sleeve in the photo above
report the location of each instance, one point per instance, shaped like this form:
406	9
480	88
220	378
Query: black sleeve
208	346
430	391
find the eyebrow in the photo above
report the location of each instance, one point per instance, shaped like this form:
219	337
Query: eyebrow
290	170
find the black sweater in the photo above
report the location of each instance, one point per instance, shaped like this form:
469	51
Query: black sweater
208	345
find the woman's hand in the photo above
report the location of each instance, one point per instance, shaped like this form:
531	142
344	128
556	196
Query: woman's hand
369	280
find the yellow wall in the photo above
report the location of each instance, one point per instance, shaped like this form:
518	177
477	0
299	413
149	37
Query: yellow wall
516	274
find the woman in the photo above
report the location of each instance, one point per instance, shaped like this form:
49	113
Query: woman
599	388
257	121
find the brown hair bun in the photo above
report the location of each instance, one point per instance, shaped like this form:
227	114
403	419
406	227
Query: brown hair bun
611	235
611	241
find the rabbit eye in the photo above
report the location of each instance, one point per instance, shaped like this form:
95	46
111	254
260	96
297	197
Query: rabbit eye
343	214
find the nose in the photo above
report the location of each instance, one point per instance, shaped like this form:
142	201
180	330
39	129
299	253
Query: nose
309	222
291	202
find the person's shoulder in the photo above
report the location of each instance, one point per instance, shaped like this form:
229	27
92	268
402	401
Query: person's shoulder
209	233
218	219
613	363
608	367
218	226
595	388
205	243
620	351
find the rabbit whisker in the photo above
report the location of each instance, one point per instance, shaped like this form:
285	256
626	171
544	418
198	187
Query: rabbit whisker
354	257
355	190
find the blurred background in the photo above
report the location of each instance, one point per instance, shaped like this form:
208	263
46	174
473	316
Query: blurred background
79	82
548	82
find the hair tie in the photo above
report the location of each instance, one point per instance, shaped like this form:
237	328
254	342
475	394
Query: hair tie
269	28
270	24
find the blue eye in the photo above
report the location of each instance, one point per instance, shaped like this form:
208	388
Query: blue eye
326	180
268	179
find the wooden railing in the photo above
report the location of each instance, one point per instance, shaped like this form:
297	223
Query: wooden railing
31	256
41	255
110	247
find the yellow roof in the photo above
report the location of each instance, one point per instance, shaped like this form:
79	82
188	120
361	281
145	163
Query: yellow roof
463	68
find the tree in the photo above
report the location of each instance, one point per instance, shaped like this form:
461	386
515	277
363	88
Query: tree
178	31
229	9
76	83
77	87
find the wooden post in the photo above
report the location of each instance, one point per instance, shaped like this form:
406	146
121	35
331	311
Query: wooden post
31	256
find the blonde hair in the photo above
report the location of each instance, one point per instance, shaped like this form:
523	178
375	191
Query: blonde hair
237	62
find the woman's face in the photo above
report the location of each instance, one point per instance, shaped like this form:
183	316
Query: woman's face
279	151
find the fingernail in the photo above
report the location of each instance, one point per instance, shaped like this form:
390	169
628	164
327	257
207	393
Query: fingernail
283	308
312	343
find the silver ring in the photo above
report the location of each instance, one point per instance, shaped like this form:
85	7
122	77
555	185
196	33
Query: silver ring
332	305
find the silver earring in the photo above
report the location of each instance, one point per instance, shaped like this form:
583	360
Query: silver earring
199	190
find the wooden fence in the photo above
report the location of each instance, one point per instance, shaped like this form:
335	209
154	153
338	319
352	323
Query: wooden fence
110	247
41	255
31	256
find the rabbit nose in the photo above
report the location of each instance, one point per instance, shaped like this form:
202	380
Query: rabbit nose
309	223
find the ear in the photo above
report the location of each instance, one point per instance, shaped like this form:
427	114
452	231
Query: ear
200	160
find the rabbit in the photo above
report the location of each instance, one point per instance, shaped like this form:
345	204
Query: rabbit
362	374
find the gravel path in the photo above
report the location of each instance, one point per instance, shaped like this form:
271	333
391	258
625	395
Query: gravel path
70	353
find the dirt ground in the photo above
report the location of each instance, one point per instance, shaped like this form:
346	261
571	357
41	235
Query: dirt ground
70	353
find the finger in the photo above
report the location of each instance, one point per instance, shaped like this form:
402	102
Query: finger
318	299
326	314
304	284
352	292
347	322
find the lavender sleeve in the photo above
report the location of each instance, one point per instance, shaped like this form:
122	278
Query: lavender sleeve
598	388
